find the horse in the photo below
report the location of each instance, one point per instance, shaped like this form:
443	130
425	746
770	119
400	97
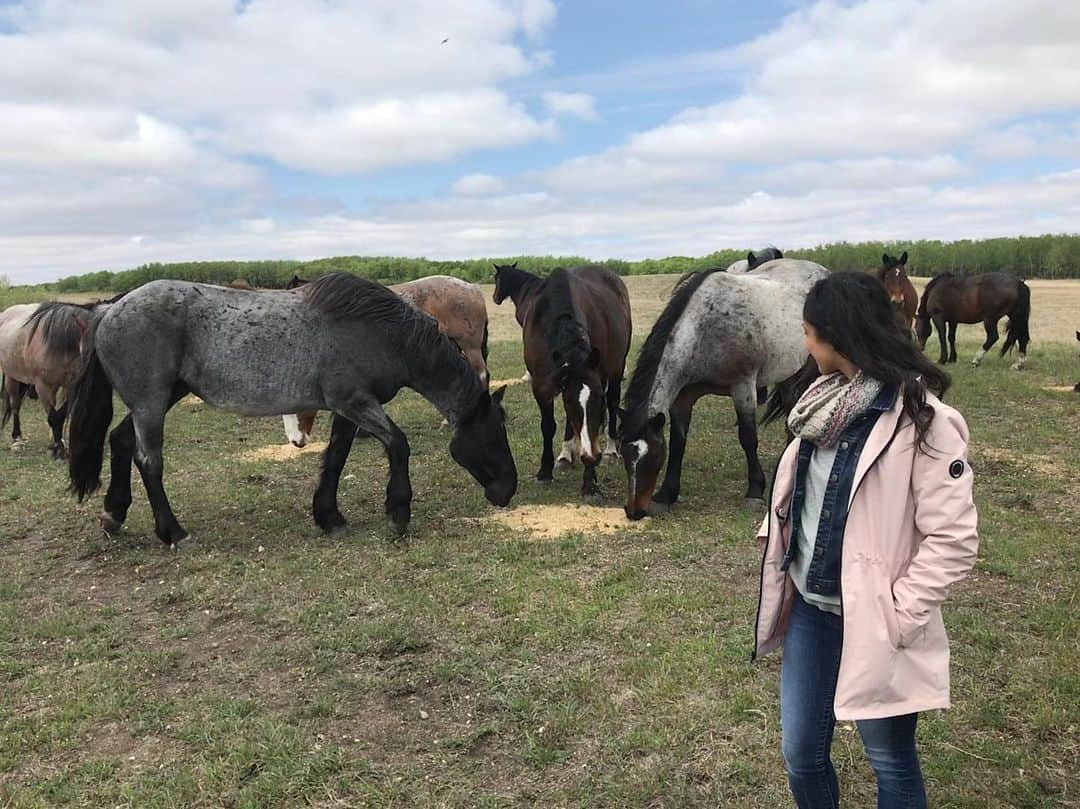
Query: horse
576	327
39	355
458	308
753	261
340	343
905	300
950	299
724	334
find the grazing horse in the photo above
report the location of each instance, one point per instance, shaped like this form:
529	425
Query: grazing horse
724	334
341	343
576	328
753	261
457	306
902	295
950	299
39	352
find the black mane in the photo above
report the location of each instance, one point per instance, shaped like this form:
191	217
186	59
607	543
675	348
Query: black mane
349	297
566	336
648	362
56	320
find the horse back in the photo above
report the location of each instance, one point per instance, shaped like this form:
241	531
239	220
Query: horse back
457	306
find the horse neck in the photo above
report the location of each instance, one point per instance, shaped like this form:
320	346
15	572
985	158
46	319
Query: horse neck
520	286
451	386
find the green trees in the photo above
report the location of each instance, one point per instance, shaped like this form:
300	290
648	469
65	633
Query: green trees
1049	256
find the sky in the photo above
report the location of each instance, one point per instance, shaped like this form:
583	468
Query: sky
176	130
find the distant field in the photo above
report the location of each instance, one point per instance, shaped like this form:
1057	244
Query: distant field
485	664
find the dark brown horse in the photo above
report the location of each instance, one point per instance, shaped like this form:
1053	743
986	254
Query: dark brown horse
576	328
905	300
986	298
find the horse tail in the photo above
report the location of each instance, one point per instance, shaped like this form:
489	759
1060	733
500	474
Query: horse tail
1019	315
91	400
5	401
785	394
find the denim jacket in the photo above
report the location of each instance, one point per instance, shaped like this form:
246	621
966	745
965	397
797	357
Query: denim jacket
823	576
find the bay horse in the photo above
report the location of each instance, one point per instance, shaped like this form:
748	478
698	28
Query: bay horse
39	354
725	334
458	308
576	327
755	260
951	299
340	343
902	295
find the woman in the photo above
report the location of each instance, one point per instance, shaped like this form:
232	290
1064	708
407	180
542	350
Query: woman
871	521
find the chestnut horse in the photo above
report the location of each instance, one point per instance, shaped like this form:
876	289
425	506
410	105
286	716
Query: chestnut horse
576	329
902	295
39	353
457	306
986	298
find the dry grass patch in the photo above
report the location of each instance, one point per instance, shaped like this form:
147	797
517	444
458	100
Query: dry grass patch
551	522
281	452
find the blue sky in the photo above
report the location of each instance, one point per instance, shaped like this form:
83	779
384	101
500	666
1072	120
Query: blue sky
293	128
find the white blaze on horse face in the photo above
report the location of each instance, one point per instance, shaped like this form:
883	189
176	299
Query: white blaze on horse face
292	430
583	438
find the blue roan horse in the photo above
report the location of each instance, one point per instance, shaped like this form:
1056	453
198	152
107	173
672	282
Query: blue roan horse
341	343
721	333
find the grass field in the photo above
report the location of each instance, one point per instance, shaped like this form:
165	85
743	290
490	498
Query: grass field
477	664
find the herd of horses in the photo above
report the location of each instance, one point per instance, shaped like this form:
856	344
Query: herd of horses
348	345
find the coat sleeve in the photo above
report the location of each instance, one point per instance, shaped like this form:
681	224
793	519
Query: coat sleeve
942	489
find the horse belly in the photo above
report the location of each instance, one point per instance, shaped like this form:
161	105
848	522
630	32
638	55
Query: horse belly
254	381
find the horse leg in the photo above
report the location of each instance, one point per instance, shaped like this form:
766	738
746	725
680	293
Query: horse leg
121	454
47	397
13	403
57	416
149	436
547	429
952	340
614	392
745	401
680	413
990	324
370	419
571	449
939	324
324	507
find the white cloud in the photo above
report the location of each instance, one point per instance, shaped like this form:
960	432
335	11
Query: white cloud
576	105
478	185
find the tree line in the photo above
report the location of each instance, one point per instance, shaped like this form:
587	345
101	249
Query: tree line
1049	256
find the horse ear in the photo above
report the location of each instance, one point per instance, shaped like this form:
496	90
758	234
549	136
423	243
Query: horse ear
513	266
497	396
750	257
903	258
657	421
885	260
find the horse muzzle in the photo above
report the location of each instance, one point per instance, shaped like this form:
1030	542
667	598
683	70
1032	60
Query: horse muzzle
500	494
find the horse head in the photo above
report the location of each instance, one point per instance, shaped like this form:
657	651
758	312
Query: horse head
501	272
480	446
893	273
583	400
643	451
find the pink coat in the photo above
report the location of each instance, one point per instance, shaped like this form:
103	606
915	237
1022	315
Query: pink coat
910	535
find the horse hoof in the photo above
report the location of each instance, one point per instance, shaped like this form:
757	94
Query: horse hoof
546	480
184	545
562	464
397	527
18	444
754	503
592	498
109	524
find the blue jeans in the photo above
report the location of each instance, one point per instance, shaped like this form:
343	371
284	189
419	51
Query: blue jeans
807	687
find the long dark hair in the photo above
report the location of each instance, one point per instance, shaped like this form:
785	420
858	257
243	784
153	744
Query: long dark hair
851	312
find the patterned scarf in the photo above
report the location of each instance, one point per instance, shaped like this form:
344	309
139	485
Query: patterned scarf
829	405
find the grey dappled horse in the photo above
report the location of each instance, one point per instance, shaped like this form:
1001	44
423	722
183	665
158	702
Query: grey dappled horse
341	343
725	334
